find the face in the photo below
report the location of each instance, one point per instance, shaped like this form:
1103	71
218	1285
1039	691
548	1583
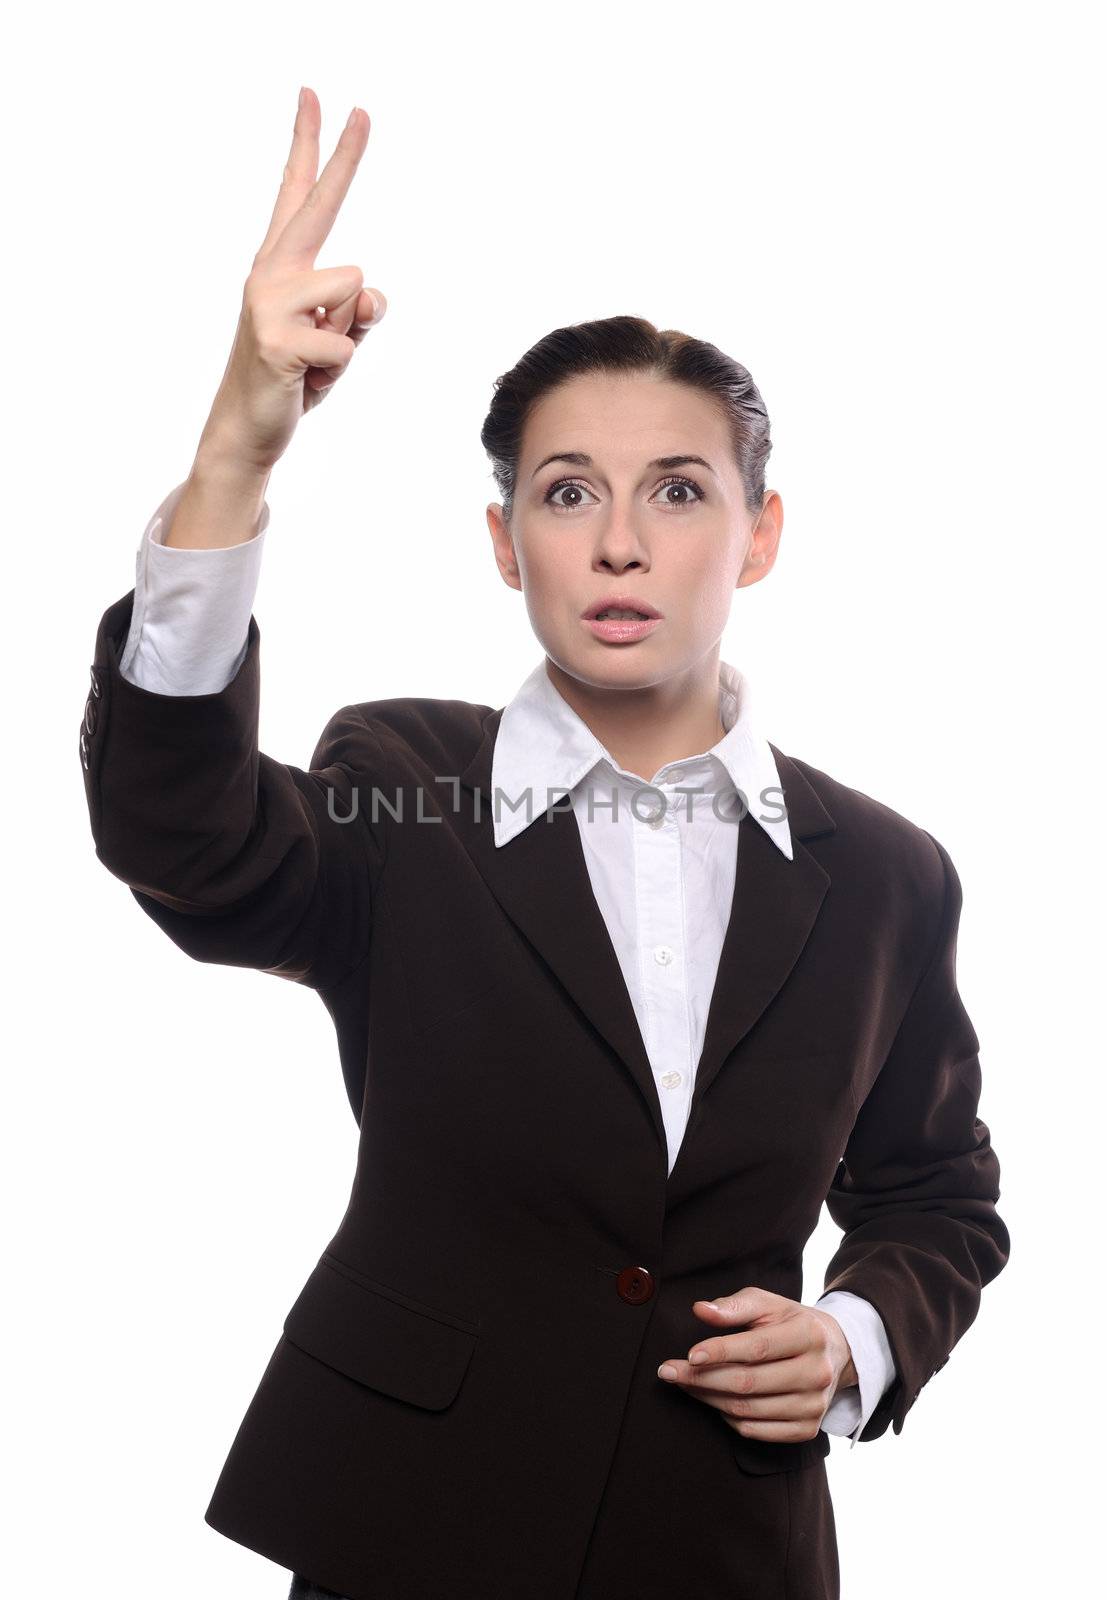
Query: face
626	518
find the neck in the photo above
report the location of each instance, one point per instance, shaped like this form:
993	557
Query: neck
645	728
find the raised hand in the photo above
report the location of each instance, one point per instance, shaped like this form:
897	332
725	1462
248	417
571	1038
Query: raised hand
285	356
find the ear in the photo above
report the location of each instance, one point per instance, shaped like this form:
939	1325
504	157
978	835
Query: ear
503	545
764	541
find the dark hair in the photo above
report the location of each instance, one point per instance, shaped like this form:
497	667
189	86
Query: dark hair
626	344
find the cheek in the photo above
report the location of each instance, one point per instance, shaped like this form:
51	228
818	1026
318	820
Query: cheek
708	585
547	577
545	595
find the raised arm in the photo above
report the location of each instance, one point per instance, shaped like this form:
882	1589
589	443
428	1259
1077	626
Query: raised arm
241	859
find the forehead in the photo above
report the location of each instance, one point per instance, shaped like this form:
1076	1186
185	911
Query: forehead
627	417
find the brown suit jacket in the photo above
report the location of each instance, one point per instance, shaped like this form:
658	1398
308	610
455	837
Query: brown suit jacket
463	1403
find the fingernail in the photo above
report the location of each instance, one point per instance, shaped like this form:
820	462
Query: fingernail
350	118
666	1371
697	1356
368	322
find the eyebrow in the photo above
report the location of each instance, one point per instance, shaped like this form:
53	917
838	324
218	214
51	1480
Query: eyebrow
576	458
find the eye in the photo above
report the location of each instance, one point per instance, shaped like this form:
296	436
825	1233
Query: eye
564	484
684	483
556	488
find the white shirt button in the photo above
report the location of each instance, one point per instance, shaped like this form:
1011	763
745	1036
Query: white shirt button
670	1080
662	954
675	777
657	821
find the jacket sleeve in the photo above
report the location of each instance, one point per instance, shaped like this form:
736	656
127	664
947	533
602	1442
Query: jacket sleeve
916	1190
242	860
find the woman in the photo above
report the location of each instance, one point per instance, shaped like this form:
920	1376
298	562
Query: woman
645	993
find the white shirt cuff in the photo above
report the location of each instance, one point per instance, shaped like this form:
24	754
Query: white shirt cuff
192	608
863	1327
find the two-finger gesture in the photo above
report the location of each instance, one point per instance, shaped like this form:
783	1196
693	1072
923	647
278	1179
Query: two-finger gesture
299	325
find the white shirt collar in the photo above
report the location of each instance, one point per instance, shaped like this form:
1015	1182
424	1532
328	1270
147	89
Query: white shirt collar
542	745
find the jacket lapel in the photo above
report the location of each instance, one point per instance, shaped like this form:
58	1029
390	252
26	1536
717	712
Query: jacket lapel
541	880
772	911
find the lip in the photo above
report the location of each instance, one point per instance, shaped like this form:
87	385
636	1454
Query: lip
620	602
614	631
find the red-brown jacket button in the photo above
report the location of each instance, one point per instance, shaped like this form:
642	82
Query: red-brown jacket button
635	1285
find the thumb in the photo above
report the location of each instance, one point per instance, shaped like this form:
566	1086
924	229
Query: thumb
742	1306
370	308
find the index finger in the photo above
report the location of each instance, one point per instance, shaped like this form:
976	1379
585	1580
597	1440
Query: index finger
299	169
303	235
768	1343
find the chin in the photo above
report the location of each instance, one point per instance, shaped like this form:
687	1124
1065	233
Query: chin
607	666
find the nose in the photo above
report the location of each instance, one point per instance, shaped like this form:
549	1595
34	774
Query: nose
619	546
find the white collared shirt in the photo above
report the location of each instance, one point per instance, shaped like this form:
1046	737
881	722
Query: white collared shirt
664	887
661	855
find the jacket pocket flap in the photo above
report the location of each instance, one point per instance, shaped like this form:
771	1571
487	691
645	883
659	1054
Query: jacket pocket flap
379	1338
772	1455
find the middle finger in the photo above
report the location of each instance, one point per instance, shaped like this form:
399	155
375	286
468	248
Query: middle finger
305	233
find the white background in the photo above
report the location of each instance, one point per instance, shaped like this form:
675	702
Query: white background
891	216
